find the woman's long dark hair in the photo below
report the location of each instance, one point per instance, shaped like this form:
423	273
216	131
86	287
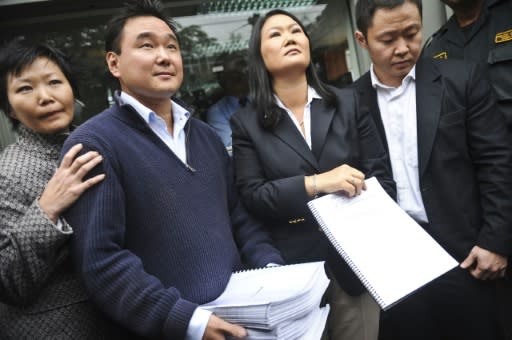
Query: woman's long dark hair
260	84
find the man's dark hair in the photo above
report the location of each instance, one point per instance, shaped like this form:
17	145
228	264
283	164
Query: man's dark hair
17	55
260	84
365	10
133	9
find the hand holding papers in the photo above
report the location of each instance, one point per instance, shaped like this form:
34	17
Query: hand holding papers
276	302
390	253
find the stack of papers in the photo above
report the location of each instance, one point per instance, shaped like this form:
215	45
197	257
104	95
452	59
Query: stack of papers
310	327
276	302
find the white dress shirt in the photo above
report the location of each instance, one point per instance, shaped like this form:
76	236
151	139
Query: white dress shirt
398	112
177	144
306	119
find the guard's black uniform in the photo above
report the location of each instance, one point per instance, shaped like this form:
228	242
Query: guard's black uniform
488	41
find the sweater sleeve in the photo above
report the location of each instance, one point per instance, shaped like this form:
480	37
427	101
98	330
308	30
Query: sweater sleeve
31	247
113	275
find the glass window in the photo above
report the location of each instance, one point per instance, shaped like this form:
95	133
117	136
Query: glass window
211	33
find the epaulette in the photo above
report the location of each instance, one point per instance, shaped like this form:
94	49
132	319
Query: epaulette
428	41
441	30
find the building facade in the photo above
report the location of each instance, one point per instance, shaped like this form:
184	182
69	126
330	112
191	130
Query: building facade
211	31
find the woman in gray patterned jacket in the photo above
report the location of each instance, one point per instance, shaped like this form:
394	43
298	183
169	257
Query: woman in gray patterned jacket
40	297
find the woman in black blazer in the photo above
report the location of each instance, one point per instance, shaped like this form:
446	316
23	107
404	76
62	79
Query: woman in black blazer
299	139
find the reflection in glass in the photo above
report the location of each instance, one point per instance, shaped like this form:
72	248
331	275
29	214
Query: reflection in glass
209	31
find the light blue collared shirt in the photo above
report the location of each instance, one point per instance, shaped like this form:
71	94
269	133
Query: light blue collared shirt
180	115
177	144
219	114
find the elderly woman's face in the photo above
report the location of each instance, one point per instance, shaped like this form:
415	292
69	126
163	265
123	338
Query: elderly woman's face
284	45
41	97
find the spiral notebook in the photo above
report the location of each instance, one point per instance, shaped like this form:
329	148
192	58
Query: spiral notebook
391	254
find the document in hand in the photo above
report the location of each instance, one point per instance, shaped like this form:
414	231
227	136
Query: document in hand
390	253
264	298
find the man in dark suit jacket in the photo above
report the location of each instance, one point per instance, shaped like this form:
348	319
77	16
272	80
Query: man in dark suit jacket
480	31
452	163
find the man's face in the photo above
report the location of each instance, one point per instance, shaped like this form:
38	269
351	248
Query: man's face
393	42
149	67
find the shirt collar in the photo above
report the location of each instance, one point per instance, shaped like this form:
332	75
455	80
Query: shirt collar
179	113
376	82
312	94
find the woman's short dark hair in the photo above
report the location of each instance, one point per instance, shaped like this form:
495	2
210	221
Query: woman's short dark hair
365	10
133	9
260	84
17	55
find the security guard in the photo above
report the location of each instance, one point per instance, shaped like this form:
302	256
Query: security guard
480	31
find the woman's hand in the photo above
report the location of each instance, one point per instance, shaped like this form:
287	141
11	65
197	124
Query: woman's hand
217	329
342	178
66	185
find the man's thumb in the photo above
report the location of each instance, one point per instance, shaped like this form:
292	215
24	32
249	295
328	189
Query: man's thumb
468	261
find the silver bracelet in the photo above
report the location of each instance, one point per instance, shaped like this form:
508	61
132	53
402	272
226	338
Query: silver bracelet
315	190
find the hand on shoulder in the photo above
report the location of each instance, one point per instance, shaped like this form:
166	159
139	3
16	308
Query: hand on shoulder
67	184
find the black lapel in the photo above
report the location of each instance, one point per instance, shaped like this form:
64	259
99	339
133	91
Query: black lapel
428	108
321	118
368	102
288	133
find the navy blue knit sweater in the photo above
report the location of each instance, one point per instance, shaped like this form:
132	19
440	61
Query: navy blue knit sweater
156	238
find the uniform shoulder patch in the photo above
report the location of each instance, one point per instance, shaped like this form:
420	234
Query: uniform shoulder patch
442	55
503	37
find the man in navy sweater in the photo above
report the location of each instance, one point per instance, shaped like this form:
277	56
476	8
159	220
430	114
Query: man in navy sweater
165	230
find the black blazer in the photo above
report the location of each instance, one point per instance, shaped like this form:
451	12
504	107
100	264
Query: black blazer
270	166
464	156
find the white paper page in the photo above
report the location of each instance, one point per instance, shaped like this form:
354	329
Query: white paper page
317	326
394	253
309	327
267	285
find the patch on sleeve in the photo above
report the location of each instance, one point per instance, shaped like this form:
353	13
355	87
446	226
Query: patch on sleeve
503	37
442	55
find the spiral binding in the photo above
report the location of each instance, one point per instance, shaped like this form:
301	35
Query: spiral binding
347	258
264	268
